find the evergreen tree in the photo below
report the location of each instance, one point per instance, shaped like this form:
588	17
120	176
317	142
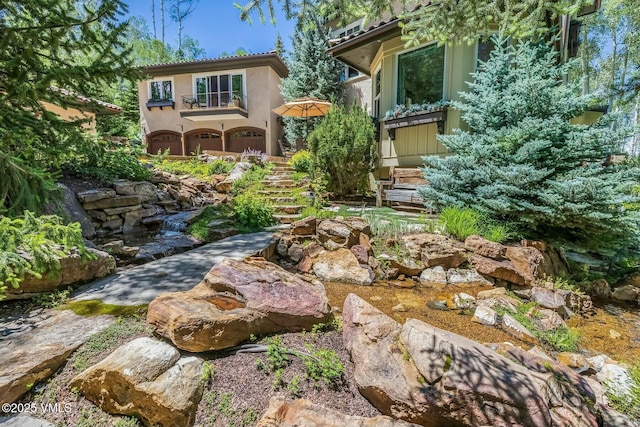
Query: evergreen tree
279	46
76	46
312	72
443	20
523	161
344	150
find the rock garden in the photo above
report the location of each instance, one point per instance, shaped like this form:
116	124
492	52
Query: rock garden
340	321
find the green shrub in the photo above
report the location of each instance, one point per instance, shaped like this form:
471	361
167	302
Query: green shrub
23	187
302	161
463	222
200	228
460	223
194	167
251	178
33	245
106	162
560	339
344	149
253	211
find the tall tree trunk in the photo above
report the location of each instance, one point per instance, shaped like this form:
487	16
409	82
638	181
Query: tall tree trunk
153	17
635	144
614	61
162	18
586	77
623	76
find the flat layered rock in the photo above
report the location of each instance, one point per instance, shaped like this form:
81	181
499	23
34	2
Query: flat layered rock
73	271
41	349
435	378
502	270
235	300
146	378
302	412
341	266
435	250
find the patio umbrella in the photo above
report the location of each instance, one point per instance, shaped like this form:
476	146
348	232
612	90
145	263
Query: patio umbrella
303	108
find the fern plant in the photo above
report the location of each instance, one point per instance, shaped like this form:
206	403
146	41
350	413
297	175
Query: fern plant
34	245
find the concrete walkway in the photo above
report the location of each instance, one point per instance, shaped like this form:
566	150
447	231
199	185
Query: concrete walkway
141	284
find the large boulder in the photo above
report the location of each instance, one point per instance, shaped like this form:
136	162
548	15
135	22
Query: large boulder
435	250
341	266
234	174
41	348
146	378
73	271
535	261
71	209
146	190
627	293
304	227
336	233
432	377
302	412
484	247
502	270
113	203
235	300
547	298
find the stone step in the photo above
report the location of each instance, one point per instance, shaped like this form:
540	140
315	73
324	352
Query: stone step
287	219
280	183
283	169
275	192
278	199
280	174
289	209
278	178
282	164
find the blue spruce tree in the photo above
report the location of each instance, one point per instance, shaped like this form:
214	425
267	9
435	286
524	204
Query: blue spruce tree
522	160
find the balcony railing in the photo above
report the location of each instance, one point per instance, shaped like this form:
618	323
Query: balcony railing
213	100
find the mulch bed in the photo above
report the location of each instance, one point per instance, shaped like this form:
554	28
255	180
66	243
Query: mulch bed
237	394
249	389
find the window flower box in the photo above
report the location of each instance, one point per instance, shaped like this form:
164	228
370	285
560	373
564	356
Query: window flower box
416	119
161	103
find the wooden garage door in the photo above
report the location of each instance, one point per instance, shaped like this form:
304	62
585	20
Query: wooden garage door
206	139
242	139
161	140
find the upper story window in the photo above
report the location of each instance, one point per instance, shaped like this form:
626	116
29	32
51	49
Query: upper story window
349	31
421	75
161	90
377	93
349	73
485	47
219	90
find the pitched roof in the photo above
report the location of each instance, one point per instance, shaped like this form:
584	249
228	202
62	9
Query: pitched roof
86	103
367	41
270	59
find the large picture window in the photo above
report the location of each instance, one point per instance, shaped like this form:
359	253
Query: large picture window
220	90
421	75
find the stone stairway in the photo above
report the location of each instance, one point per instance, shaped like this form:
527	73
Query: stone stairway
278	190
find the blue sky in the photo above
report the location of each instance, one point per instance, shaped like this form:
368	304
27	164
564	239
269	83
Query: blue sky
216	25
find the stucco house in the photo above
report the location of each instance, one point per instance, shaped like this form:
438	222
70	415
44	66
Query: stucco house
385	73
80	107
221	104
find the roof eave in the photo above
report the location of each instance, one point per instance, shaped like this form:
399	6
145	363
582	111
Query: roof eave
218	64
378	35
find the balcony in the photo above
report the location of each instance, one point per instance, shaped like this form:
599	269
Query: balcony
213	106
